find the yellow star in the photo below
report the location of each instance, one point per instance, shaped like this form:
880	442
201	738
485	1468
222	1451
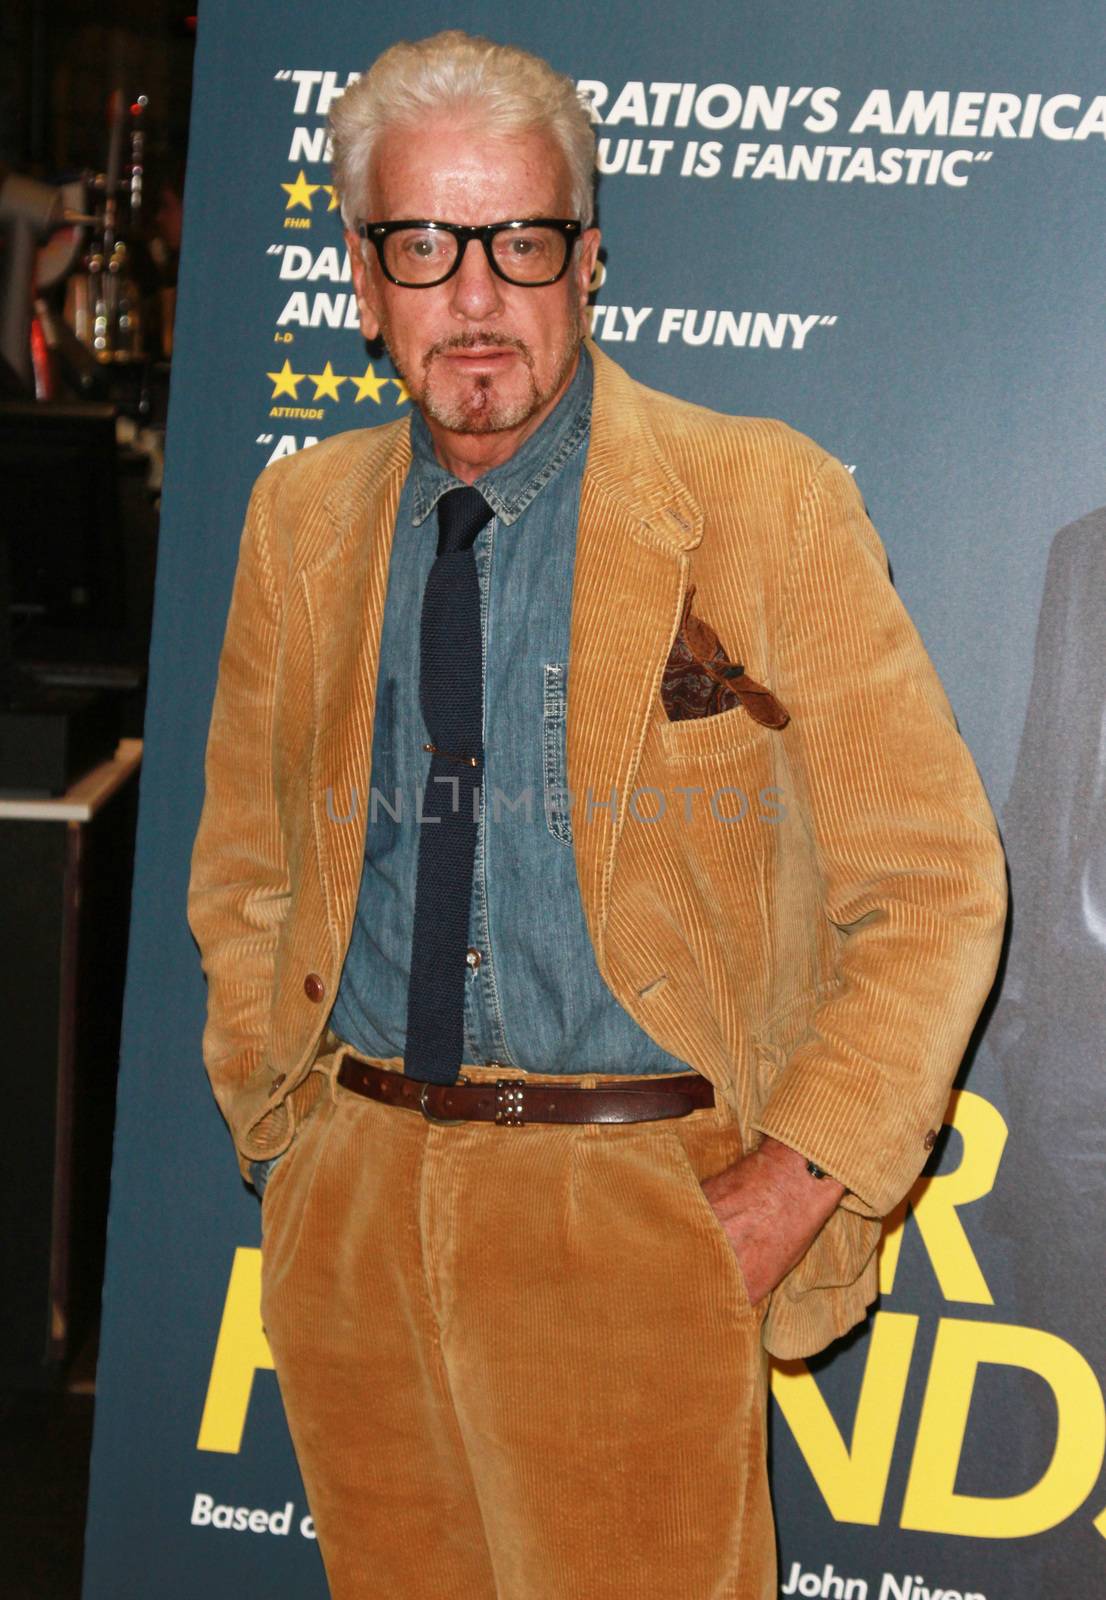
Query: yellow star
402	387
369	386
300	192
285	381
326	383
333	193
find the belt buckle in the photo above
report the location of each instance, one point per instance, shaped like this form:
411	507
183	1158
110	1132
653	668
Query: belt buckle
510	1104
440	1122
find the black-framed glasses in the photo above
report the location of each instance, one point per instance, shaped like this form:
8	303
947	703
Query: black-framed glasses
419	255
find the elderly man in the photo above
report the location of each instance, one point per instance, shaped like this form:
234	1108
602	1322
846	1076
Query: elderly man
595	895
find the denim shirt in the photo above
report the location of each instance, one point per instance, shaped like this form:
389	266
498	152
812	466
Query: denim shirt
534	998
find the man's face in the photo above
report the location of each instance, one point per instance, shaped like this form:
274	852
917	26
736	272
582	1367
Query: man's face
479	356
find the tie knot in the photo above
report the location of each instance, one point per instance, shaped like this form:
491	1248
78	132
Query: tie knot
461	515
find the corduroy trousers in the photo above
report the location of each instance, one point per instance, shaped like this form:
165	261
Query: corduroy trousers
518	1363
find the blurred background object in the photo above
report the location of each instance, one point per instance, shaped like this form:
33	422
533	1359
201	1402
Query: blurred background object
94	105
91	189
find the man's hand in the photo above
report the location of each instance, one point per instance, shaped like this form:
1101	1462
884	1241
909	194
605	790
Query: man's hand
772	1209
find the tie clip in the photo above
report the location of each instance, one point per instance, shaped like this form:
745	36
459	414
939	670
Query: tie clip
466	761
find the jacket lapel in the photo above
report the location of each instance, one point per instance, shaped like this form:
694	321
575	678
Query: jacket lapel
346	649
637	523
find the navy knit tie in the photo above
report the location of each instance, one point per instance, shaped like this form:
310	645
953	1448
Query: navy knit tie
451	693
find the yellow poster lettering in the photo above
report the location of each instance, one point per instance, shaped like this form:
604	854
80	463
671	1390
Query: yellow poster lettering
852	1478
935	1202
240	1350
932	1504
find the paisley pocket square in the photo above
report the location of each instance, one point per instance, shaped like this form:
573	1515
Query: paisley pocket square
700	680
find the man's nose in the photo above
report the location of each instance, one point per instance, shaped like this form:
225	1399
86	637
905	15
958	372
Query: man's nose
476	289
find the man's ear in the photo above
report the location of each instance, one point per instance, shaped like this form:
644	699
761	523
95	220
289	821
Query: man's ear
585	264
364	285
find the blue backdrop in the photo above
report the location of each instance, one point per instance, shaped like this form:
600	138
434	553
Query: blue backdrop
884	223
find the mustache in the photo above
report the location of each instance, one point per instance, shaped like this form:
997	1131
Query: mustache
477	341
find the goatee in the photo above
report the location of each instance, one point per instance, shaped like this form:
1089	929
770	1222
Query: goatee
480	407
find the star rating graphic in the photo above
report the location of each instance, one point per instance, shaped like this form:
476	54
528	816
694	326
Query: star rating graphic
369	386
285	381
301	192
327	383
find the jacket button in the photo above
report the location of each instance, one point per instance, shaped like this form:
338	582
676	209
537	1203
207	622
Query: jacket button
930	1139
472	959
314	987
277	1081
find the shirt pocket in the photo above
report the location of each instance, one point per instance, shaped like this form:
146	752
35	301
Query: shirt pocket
558	817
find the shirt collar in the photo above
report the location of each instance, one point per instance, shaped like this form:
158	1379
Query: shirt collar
508	488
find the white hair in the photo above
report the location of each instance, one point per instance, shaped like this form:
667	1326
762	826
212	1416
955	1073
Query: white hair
502	88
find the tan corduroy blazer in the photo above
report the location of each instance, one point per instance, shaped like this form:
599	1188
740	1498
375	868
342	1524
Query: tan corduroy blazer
810	916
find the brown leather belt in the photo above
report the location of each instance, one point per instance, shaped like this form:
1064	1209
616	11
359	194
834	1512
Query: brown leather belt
511	1102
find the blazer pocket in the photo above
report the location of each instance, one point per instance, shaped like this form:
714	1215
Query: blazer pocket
731	732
